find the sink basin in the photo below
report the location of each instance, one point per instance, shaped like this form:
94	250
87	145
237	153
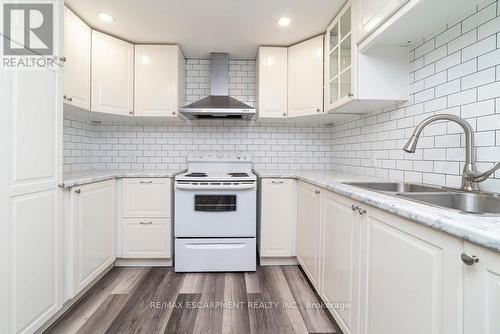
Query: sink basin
396	187
466	202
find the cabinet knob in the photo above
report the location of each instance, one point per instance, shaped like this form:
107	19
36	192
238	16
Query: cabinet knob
64	97
354	207
284	114
173	112
361	211
350	94
61	185
318	109
131	113
77	191
62	58
469	259
317	192
70	99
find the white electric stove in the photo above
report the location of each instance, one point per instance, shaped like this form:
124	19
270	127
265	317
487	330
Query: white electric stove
215	214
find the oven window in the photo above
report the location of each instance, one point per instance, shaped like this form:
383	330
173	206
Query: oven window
215	203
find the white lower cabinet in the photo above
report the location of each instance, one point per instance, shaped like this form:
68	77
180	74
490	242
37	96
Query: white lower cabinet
340	260
92	232
278	219
308	233
481	291
146	238
409	277
146	224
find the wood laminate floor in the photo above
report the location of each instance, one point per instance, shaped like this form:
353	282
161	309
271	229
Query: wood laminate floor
158	300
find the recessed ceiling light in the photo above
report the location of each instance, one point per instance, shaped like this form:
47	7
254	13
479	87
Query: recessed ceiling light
284	21
105	17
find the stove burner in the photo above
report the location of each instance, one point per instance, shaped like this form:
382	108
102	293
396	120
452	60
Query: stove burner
196	175
238	174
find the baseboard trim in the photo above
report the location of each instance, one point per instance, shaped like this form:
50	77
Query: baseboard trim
143	263
278	261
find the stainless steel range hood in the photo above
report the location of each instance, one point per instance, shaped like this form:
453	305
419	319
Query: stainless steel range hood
219	104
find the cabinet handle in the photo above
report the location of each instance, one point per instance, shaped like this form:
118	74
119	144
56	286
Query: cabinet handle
145	223
469	259
317	192
354	207
77	191
146	182
277	182
361	211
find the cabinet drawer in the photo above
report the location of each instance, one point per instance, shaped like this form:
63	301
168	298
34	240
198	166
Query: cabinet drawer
147	238
146	197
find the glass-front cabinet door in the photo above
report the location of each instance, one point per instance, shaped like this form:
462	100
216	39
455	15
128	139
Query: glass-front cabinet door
338	56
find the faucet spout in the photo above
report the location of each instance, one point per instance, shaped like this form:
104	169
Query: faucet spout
470	175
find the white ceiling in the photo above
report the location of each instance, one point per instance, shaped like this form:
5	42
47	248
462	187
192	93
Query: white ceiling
204	26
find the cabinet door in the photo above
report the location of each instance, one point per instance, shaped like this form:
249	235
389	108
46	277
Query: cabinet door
156	80
308	234
77	37
407	282
305	78
146	238
112	75
341	228
30	201
272	82
481	291
339	72
277	217
372	13
93	229
146	197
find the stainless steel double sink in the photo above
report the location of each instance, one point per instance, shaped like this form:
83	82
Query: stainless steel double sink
469	202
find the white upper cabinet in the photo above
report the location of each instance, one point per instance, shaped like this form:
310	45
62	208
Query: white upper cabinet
112	75
305	78
397	22
272	75
159	80
358	82
77	42
372	13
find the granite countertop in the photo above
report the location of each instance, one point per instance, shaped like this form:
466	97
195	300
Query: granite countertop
90	176
483	230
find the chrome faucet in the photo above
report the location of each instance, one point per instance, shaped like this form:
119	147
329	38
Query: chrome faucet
470	175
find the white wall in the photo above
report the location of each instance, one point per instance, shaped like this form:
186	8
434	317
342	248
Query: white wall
455	71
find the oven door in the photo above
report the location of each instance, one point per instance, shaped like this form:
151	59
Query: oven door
215	213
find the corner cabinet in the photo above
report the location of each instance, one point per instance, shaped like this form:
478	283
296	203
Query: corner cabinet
77	43
112	75
159	80
272	76
305	78
358	82
92	233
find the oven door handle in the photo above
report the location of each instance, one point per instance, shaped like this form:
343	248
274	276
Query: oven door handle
215	187
216	246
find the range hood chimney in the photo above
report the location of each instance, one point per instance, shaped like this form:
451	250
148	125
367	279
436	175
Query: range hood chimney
219	104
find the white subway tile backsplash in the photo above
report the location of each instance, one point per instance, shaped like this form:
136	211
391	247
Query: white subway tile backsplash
470	88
